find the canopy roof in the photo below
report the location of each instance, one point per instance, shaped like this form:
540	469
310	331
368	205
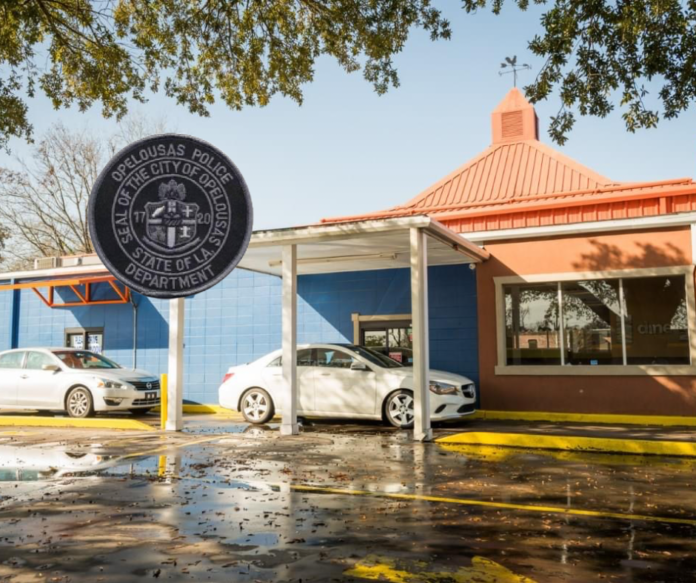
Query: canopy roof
357	246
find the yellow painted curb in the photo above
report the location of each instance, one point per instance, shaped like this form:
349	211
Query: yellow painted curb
661	420
572	443
91	423
198	409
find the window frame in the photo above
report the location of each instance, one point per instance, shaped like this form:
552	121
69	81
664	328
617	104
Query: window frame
85	332
502	368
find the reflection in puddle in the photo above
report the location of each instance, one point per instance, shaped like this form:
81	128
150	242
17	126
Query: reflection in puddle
500	454
39	463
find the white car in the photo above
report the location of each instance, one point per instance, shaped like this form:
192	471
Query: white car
342	380
76	381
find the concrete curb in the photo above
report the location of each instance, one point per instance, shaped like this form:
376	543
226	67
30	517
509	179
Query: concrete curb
91	423
572	443
608	419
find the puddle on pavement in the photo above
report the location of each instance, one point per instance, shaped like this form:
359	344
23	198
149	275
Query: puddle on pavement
226	510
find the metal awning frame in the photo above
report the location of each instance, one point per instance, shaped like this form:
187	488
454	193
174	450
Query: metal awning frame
80	286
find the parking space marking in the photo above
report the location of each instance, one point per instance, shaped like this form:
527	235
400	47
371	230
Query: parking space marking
506	505
482	570
167	446
89	423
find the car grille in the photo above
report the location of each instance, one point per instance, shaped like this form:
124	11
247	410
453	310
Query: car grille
469	391
142	385
146	401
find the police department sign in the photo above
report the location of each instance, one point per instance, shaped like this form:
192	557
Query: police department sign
170	216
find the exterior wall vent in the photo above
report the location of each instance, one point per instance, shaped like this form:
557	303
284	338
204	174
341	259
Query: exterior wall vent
513	124
91	260
47	262
70	261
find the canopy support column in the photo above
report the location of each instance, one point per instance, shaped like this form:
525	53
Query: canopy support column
289	424
421	349
175	376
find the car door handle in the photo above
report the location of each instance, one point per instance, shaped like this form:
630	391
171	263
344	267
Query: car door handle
24	376
325	374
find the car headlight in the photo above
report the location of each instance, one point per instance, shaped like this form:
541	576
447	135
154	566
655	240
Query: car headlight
442	388
109	384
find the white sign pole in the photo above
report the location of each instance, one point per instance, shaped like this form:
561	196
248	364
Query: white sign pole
175	384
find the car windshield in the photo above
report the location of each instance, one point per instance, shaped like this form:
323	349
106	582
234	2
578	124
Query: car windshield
83	359
376	358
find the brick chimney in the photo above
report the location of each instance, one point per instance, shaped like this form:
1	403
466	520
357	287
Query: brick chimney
514	120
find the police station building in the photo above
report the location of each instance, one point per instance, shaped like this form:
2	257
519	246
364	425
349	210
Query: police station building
554	288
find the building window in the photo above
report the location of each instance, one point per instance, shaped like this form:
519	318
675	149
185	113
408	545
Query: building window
91	339
596	322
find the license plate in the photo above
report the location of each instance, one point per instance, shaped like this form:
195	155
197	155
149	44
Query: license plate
150	396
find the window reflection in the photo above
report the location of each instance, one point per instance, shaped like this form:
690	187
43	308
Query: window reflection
592	322
532	324
656	320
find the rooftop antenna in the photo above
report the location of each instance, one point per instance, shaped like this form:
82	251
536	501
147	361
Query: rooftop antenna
511	63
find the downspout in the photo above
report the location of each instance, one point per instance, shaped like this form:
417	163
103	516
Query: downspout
135	330
14	315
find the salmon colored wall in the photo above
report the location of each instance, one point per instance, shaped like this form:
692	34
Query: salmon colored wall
639	395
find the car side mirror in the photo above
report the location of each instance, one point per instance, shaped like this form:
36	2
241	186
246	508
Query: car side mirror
358	366
51	367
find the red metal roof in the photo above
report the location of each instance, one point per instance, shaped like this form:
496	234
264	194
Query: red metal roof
518	182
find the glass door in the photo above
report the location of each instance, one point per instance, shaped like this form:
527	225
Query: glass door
393	339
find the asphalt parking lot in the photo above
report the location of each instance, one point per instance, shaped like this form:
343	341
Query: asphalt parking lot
224	501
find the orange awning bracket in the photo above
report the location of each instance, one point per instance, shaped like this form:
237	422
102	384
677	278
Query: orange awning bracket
80	286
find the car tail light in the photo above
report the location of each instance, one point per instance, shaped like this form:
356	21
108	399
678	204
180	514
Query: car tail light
228	376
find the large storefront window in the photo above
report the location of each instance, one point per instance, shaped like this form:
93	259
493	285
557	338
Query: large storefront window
584	322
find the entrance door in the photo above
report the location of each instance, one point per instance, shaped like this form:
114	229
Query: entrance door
393	339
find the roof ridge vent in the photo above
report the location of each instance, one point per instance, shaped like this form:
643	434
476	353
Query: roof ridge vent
514	120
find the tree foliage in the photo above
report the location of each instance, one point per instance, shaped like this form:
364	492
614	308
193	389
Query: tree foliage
599	52
111	51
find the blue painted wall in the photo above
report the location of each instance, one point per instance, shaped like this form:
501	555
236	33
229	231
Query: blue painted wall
239	320
327	302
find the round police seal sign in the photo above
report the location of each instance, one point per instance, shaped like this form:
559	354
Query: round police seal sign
170	216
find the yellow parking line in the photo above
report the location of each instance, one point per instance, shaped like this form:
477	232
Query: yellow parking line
482	570
155	450
505	505
90	423
574	443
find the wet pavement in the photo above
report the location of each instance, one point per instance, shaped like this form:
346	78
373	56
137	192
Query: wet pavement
341	502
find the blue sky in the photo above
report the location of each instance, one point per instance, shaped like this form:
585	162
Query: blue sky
347	150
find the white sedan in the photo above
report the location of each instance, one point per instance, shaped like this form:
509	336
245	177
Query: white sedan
342	380
77	381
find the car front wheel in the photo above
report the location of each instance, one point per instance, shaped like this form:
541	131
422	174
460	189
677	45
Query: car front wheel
79	403
257	406
400	410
